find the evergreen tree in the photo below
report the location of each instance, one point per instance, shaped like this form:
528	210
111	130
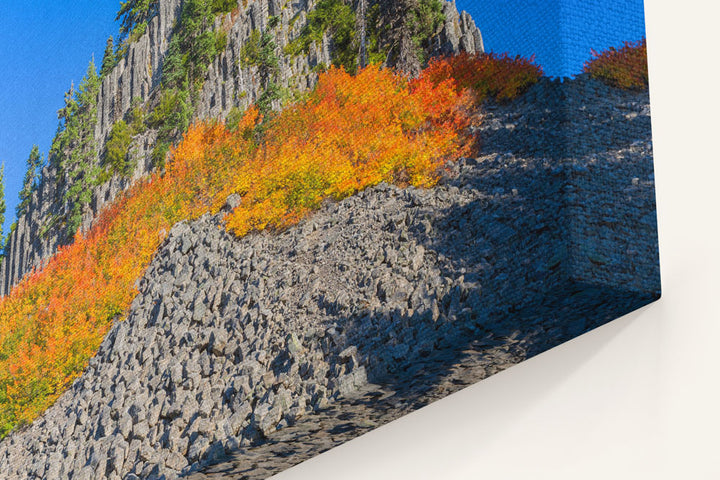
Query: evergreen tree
406	28
66	113
76	132
134	13
74	148
29	183
192	48
2	204
109	58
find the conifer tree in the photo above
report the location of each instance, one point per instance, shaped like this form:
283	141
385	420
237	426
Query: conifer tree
108	61
407	26
73	149
135	12
66	113
2	204
29	183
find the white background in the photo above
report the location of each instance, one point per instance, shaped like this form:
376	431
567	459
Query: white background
638	398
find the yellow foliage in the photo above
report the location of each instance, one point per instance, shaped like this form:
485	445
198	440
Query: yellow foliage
351	133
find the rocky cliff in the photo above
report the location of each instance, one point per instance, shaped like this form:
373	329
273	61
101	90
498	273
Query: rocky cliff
229	83
245	345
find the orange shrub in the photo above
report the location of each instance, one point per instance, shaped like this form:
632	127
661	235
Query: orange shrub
499	77
351	133
623	68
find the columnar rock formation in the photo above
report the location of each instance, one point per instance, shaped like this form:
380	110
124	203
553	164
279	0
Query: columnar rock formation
40	231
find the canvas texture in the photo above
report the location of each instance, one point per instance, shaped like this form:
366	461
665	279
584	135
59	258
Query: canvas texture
330	215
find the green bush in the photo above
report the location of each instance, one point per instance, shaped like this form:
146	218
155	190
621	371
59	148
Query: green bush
135	13
259	51
109	58
117	150
223	6
136	117
193	46
30	183
73	149
385	23
159	154
250	52
337	19
172	114
424	21
120	51
220	41
233	118
272	92
320	68
138	32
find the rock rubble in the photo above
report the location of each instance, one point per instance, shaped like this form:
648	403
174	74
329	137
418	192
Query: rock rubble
237	345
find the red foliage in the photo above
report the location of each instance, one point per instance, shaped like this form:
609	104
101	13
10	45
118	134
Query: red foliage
622	68
352	132
499	77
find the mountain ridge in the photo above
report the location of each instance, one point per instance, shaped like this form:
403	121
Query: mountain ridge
43	227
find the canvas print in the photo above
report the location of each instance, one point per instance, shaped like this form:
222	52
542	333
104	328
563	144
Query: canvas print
257	229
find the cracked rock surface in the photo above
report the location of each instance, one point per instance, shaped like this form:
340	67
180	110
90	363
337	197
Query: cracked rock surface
242	357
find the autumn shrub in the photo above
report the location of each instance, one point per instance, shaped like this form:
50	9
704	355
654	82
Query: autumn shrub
234	118
495	76
350	133
625	67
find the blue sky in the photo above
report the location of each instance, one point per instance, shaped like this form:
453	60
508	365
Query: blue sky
44	45
528	27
